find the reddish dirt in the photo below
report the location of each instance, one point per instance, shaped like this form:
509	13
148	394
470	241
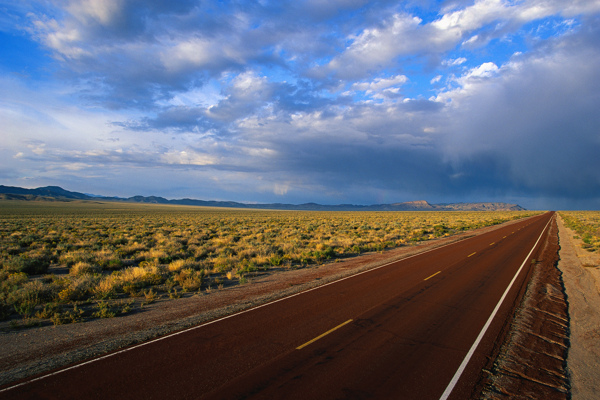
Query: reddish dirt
531	363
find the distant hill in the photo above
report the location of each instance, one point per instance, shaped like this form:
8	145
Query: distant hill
55	193
48	191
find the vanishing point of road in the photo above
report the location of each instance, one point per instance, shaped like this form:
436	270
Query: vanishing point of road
419	328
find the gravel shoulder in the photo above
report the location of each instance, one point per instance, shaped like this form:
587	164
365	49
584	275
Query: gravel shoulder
531	361
581	276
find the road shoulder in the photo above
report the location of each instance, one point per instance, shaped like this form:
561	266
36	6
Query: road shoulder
530	362
582	287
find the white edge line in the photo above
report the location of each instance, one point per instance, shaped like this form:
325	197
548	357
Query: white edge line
216	320
467	358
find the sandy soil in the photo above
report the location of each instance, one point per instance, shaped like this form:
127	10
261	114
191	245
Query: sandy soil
581	276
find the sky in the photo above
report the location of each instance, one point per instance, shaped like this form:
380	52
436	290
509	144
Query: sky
333	102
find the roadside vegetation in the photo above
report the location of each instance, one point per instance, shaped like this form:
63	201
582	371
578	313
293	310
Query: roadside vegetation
587	226
71	262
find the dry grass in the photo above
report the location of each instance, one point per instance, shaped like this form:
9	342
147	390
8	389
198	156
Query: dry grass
77	258
587	226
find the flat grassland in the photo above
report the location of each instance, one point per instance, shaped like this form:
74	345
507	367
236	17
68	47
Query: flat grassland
77	261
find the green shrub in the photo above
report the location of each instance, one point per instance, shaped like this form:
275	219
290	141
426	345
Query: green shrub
189	279
32	264
79	288
12	281
5	310
28	296
104	310
68	317
48	311
151	296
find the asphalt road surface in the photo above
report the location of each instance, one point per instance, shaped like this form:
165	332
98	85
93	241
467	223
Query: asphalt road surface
419	328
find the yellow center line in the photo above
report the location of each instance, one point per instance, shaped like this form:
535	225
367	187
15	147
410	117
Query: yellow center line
324	334
492	243
504	237
432	275
471	254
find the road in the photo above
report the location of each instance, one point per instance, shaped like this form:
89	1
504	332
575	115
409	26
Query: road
418	328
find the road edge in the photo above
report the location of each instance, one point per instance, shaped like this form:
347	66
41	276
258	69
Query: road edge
531	361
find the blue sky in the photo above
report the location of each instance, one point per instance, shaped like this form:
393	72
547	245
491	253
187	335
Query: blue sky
340	101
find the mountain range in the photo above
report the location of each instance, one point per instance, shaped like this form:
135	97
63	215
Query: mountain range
55	193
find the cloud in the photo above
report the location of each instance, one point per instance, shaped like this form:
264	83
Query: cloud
131	54
403	35
377	47
101	12
188	157
536	113
380	83
454	62
200	53
245	95
482	12
135	54
381	88
436	79
485	70
527	126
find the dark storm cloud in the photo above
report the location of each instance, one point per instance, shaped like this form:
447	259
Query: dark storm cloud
540	116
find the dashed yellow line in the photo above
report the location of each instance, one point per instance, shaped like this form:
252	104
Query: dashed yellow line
429	277
472	254
324	334
493	243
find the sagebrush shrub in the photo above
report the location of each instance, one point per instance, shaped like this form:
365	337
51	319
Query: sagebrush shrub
84	268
